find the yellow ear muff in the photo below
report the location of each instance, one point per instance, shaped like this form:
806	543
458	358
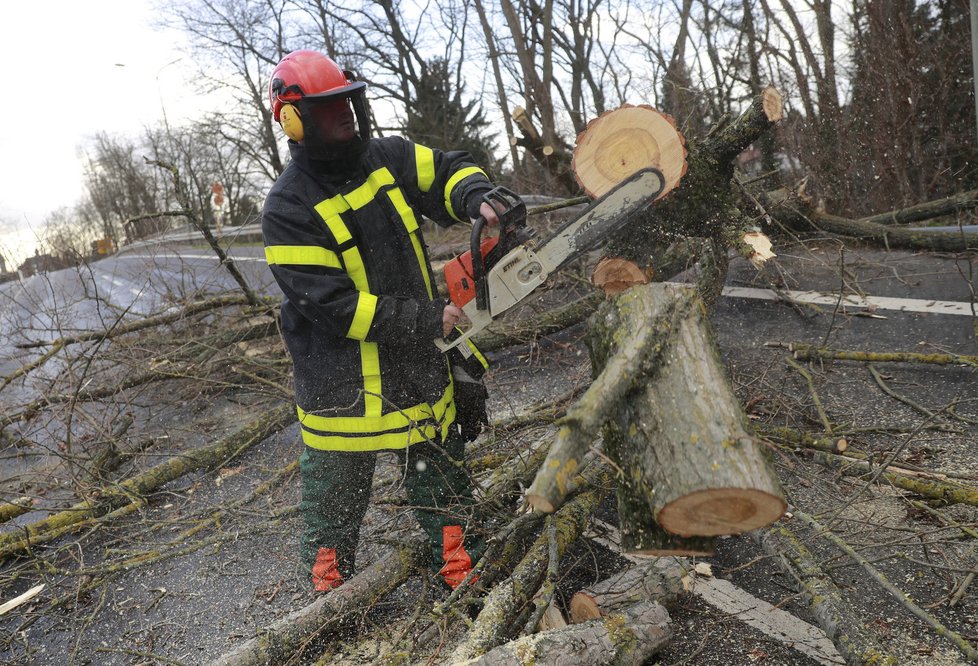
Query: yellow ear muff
291	121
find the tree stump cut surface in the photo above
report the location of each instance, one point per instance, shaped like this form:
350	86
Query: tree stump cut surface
618	143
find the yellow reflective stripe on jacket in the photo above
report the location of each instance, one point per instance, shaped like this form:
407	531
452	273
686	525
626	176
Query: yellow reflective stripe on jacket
366	193
301	255
394	440
457	177
411	225
364	315
424	161
331	209
390	431
376	430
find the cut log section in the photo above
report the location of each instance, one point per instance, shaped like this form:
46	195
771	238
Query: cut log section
618	143
641	535
680	435
614	275
659	580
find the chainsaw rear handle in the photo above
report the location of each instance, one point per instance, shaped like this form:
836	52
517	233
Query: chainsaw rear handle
511	212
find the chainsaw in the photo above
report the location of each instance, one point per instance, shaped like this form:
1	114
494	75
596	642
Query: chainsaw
498	272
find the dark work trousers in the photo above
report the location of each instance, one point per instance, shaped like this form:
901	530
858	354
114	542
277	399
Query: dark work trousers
336	490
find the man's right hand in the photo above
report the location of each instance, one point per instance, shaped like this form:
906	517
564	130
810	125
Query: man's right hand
450	316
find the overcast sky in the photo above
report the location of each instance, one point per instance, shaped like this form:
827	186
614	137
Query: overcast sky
73	68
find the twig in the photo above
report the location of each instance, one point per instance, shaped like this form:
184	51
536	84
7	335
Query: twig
814	393
805	352
896	396
959	641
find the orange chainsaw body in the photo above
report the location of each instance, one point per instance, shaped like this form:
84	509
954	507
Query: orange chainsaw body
458	273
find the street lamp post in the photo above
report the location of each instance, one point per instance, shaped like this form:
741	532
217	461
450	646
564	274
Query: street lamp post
974	56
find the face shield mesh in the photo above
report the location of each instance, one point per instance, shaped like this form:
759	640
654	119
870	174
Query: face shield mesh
325	121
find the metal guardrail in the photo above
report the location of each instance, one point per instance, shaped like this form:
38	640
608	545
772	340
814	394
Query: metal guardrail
244	232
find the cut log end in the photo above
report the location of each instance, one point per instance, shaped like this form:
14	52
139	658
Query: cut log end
540	503
760	246
773	104
614	275
583	607
721	511
618	143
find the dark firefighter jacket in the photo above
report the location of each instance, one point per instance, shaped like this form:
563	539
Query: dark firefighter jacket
361	310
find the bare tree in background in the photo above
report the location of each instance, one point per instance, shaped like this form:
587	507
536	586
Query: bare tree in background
234	45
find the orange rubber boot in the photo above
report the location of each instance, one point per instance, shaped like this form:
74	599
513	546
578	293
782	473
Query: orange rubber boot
458	563
326	572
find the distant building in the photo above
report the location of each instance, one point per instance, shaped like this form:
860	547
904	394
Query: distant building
40	263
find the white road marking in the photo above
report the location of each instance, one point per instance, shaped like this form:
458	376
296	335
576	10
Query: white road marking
122	284
855	301
723	595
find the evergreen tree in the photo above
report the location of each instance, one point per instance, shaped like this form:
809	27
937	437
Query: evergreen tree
438	117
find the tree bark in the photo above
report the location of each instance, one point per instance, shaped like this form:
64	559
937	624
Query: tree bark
802	216
628	636
806	352
839	620
504	601
501	335
14	508
927	210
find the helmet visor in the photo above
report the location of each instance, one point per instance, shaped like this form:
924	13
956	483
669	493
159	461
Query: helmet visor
337	116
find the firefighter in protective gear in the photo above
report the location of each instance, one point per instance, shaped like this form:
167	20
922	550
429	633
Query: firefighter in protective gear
343	239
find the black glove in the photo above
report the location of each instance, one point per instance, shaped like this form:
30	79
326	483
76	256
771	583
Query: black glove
470	404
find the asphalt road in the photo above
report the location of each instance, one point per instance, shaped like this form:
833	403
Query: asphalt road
894	301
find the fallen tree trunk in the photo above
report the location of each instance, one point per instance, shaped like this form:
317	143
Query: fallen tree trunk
947	491
678	433
627	636
12	543
806	352
552	321
927	210
283	639
145	323
15	508
682	437
799	215
659	580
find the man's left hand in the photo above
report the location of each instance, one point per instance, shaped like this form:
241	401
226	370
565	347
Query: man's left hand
488	212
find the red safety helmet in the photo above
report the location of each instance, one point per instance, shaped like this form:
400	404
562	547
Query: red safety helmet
305	78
